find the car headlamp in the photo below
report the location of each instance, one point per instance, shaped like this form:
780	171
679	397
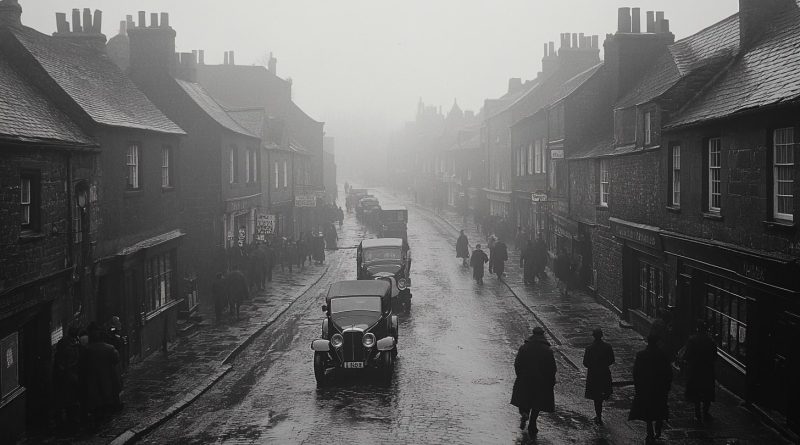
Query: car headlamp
401	284
337	340
368	340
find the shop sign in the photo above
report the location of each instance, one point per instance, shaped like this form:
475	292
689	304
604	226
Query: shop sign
319	193
265	225
9	364
538	197
556	154
239	204
305	201
642	235
242	236
753	271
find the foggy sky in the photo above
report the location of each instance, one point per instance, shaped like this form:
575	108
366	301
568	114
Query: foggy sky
361	65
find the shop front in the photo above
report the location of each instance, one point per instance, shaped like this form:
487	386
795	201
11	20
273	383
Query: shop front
751	302
499	203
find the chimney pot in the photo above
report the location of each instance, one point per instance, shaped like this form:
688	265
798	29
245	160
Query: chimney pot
123	27
76	20
98	21
575	40
129	22
624	20
665	26
230	58
581	41
165	20
651	22
201	57
142	19
636	20
61	22
226	58
595	42
552	47
545	50
154	20
87	20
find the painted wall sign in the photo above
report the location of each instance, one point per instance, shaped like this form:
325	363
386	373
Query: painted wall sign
556	154
305	201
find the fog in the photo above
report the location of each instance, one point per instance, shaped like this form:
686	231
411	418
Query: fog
362	65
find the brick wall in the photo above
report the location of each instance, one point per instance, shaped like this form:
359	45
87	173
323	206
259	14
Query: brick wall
636	187
607	261
584	189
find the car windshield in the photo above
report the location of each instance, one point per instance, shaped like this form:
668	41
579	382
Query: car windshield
352	304
382	254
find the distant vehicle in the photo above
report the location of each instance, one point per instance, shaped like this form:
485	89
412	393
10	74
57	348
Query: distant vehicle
359	330
368	209
393	223
387	258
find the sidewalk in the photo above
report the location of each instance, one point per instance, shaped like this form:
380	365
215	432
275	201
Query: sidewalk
158	387
569	322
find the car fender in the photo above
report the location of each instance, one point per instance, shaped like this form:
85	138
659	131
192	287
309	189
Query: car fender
325	328
385	344
321	345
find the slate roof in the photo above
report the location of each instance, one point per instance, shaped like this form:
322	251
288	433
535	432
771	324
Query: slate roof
767	74
714	45
94	82
603	147
27	115
508	100
572	85
200	96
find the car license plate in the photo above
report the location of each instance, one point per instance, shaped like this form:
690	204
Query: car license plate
353	365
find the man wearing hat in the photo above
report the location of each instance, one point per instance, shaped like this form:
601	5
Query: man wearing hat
535	367
597	358
701	353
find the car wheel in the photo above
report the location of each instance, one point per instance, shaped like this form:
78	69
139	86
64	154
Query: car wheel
388	368
319	368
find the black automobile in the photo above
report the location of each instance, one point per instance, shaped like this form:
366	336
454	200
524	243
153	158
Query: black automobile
387	258
359	330
393	221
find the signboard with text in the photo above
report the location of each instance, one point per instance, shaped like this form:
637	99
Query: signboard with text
265	225
556	154
305	201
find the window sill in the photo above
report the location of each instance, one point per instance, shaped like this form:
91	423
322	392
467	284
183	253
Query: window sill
155	313
130	193
601	207
28	236
674	209
712	216
779	225
167	189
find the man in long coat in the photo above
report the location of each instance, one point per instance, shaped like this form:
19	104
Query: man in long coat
535	367
237	289
102	378
462	248
479	258
527	261
499	258
597	358
652	377
540	257
700	355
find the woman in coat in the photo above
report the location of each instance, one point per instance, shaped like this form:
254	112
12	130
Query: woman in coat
462	248
527	261
597	358
652	377
499	258
700	355
479	258
535	367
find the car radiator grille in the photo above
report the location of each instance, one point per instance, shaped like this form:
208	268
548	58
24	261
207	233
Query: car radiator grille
353	348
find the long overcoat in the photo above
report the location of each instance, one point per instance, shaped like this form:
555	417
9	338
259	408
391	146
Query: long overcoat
478	259
701	353
597	358
102	375
499	257
236	286
462	247
535	367
652	377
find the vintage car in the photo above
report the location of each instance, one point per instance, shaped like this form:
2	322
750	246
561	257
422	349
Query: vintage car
368	209
387	258
359	330
393	222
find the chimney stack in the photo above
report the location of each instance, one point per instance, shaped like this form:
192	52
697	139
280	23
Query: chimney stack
142	19
123	28
514	84
129	22
76	20
545	50
636	20
201	57
757	16
87	20
659	22
623	20
62	26
230	58
575	40
154	20
165	20
226	58
272	65
651	22
552	47
10	13
97	24
152	49
187	69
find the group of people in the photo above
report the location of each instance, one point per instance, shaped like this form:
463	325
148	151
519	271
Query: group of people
535	370
498	255
87	374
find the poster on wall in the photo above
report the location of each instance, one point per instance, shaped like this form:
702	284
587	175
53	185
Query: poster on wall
9	364
265	225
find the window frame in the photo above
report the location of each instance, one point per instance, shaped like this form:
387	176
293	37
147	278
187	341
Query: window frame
255	164
233	161
675	175
277	176
247	177
604	178
32	222
648	127
133	163
714	146
790	149
531	159
285	174
166	167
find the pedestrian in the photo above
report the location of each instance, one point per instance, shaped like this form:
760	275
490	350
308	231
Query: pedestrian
520	239
269	261
237	290
331	237
499	258
535	367
462	249
652	377
528	264
258	257
491	241
290	252
540	258
103	382
67	379
302	254
479	258
597	358
219	295
562	271
700	355
340	216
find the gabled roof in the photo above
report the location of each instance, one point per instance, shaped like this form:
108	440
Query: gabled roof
767	74
94	83
572	85
714	45
209	106
26	115
506	101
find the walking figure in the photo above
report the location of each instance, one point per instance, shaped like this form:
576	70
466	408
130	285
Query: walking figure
597	358
491	241
563	271
219	295
479	258
462	249
527	261
499	258
535	368
237	290
652	377
701	352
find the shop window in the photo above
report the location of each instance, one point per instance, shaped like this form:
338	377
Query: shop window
9	364
726	314
158	273
783	173
714	175
29	189
651	289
